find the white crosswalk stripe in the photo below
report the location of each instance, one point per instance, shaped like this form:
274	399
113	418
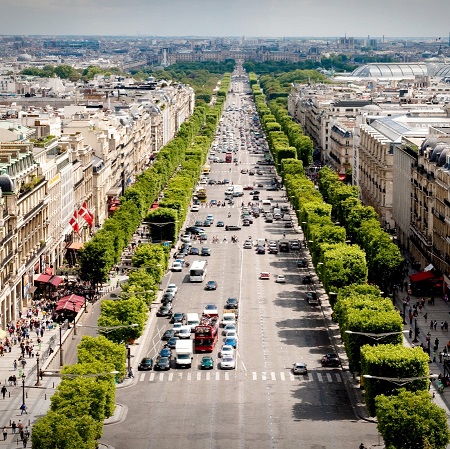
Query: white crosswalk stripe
174	376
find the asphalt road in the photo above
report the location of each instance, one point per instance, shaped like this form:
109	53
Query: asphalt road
260	404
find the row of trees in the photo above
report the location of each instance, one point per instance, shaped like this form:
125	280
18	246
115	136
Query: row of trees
362	312
84	398
64	71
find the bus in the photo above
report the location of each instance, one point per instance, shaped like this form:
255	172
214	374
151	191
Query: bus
206	333
197	272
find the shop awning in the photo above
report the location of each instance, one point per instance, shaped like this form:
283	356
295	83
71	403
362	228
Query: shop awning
55	280
422	276
71	303
44	278
114	191
75	245
49	271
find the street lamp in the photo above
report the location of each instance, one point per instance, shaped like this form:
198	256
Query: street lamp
61	357
23	388
37	366
377	336
400	381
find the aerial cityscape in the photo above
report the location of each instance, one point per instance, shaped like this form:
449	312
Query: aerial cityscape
224	225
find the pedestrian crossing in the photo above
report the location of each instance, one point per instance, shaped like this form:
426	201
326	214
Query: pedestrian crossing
195	376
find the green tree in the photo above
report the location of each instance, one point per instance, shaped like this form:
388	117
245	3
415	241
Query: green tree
411	420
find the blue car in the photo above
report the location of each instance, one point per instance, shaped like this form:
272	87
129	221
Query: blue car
165	352
231	341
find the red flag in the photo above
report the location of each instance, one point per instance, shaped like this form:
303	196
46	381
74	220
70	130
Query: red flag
74	223
85	214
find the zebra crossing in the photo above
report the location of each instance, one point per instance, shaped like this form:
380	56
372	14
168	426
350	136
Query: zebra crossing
192	376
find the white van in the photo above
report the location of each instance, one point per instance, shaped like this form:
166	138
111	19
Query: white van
228	318
266	203
192	320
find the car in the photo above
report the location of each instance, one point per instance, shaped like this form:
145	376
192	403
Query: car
330	359
207	223
202	236
251	172
211	285
273	249
245	222
281	279
205	251
164	311
226	350
264	275
228	362
228	327
213	202
232	303
255	192
260	249
220	224
172	288
232	228
226	181
207	362
248	188
299	368
194	230
261	185
259	172
168	334
168	297
255	197
302	263
210	217
231	341
248	244
165	352
198	223
195	208
178	317
269	219
194	251
271	188
172	342
177	266
307	279
186	238
312	298
146	364
295	245
270	198
231	333
211	182
288	224
162	364
184	332
176	328
244	171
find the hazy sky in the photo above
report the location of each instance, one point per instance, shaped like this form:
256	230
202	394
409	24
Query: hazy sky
356	18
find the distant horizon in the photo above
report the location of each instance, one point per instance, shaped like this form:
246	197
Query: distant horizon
265	18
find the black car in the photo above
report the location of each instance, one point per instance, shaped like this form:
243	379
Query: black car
330	359
260	250
232	303
162	364
211	285
146	364
255	197
307	279
164	311
194	230
232	228
194	251
206	251
302	263
168	334
288	224
172	342
312	298
178	317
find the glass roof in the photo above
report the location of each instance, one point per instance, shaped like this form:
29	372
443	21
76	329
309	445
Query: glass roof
391	70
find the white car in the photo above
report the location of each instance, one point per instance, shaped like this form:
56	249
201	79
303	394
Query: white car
195	208
299	368
228	362
172	288
184	332
176	328
186	238
177	266
228	327
248	244
210	217
280	279
226	350
231	333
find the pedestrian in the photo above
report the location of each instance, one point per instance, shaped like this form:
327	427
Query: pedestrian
410	332
15	365
442	326
434	356
13	427
23	409
5	433
435	324
445	326
19	425
436	342
411	316
425	315
25	441
4	391
27	432
130	373
431	324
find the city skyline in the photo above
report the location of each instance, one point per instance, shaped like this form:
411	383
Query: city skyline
268	18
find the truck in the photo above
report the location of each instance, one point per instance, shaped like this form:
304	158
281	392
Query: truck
238	191
184	353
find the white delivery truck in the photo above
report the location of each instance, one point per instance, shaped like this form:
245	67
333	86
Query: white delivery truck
184	352
238	191
192	320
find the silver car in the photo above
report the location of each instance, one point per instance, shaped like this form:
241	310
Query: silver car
228	362
299	368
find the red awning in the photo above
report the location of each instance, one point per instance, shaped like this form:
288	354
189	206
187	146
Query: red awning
422	276
49	271
71	303
342	177
44	278
55	280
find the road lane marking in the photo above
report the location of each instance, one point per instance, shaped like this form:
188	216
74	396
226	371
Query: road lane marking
161	376
152	377
255	376
291	376
170	377
208	376
310	376
338	377
227	376
189	376
217	376
330	379
141	377
263	376
319	377
282	376
199	375
273	376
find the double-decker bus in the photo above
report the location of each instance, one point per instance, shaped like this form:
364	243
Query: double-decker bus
197	271
206	333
